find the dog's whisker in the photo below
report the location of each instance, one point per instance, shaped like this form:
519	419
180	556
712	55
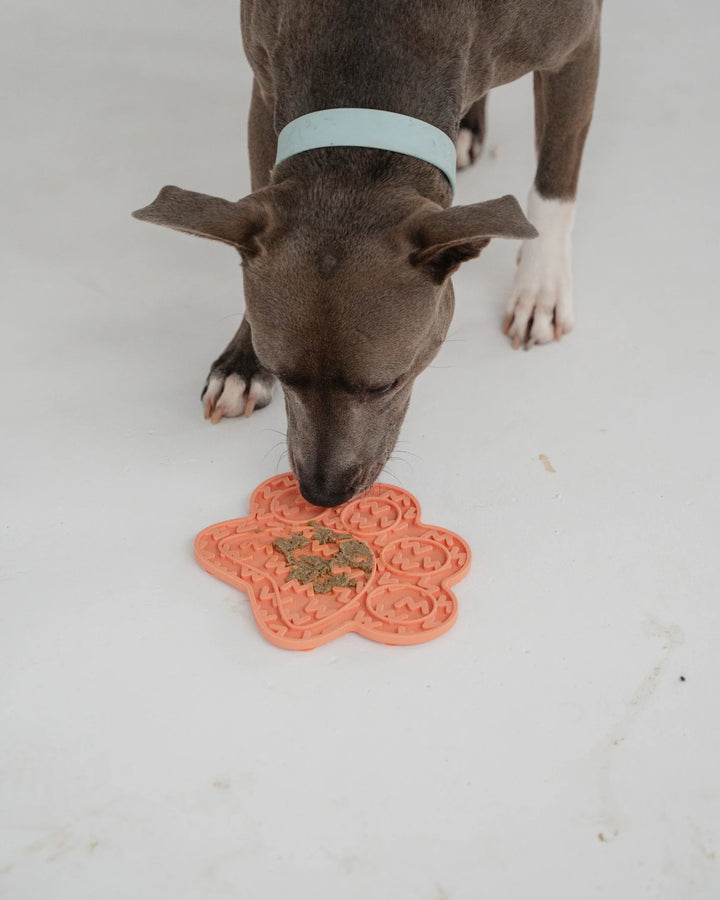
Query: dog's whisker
407	462
280	459
405	453
274	447
387	471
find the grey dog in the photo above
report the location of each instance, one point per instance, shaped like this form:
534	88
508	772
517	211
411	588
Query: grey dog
347	252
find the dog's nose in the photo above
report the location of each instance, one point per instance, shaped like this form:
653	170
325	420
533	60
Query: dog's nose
330	490
326	498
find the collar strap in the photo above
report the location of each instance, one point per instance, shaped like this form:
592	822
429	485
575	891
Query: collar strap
369	128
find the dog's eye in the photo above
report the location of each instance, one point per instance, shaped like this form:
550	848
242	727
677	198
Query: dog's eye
385	388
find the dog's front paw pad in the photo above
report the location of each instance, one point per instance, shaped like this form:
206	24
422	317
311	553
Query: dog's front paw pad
226	396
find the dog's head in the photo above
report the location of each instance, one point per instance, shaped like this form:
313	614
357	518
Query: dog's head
348	301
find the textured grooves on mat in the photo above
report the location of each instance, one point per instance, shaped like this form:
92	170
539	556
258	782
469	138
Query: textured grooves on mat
405	600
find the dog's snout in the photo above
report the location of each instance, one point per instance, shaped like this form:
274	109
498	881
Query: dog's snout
324	498
323	488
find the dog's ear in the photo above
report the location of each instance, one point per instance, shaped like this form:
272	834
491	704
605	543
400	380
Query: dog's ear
446	238
240	224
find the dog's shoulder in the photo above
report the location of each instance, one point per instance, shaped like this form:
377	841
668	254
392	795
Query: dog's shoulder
513	37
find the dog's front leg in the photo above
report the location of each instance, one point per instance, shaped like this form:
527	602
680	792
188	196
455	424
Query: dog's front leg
540	306
237	383
471	137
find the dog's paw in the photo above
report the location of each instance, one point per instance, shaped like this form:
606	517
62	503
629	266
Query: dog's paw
540	305
230	394
468	148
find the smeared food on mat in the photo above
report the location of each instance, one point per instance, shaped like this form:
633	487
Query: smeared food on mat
319	570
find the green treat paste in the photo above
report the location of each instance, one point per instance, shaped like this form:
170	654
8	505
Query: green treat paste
326	535
318	570
333	581
288	545
310	568
355	554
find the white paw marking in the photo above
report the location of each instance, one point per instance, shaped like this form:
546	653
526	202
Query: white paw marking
467	148
463	146
229	396
260	394
540	306
225	397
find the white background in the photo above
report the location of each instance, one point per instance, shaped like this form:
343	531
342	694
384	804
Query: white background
153	744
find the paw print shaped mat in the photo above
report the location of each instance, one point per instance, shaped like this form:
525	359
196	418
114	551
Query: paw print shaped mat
311	574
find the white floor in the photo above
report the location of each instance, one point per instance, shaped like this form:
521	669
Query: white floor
562	740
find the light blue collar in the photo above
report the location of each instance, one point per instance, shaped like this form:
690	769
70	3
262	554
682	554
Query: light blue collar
369	128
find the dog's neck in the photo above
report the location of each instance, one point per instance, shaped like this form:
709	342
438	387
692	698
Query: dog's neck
320	63
429	102
342	177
